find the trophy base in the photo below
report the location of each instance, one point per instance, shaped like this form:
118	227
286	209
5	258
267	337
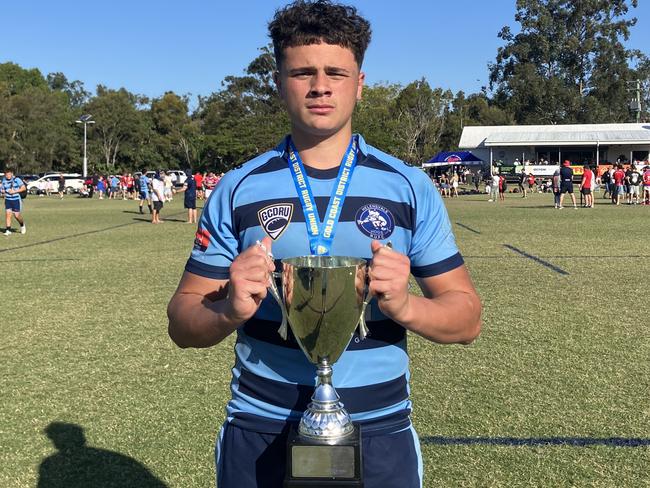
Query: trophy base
312	463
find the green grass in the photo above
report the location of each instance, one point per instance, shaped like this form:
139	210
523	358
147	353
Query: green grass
561	357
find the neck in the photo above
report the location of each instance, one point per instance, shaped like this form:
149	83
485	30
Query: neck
321	152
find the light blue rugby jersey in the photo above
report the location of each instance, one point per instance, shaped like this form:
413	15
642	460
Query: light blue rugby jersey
387	200
12	184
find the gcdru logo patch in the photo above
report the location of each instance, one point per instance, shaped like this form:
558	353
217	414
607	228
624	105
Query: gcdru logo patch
375	221
275	218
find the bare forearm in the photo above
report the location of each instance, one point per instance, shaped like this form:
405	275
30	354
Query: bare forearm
195	321
452	317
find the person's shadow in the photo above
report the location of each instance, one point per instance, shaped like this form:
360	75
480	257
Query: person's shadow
77	465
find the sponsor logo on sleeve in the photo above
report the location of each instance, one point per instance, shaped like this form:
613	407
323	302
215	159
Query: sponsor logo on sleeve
274	219
201	240
375	221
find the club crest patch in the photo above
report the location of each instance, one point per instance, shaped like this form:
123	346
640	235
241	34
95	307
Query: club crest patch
274	219
201	240
375	221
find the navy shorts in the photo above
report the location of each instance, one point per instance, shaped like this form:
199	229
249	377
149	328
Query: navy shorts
566	187
14	206
144	195
247	459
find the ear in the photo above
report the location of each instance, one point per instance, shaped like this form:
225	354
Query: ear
362	78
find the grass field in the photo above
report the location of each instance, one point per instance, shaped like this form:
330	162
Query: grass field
555	392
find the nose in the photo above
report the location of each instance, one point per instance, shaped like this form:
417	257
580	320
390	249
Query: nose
319	85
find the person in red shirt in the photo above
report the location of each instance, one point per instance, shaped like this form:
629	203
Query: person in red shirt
646	186
619	182
198	178
502	188
210	182
585	187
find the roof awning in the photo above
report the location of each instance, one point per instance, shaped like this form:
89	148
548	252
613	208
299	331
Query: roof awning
581	138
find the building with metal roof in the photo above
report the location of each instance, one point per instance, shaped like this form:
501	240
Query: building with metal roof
580	143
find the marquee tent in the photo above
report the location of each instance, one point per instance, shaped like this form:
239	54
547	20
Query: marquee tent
465	158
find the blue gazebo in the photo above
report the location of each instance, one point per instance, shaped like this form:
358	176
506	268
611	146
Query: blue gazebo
466	158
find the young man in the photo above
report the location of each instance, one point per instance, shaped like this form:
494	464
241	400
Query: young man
522	182
494	188
619	182
633	178
319	49
566	183
157	196
189	202
144	192
585	186
11	188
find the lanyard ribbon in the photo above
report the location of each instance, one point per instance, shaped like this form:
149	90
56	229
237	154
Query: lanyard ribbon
321	233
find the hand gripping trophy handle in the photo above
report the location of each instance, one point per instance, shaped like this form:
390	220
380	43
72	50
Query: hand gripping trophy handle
363	327
275	293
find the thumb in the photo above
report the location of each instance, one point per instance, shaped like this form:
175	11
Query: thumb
267	242
375	246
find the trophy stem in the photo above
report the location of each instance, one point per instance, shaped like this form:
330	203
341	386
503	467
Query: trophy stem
325	418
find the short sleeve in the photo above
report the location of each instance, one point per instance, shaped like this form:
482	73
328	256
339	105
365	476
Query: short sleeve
433	246
216	244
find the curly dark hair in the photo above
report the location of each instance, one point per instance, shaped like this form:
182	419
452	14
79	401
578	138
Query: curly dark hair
306	22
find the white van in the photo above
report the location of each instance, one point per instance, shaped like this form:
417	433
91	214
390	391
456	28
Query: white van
50	184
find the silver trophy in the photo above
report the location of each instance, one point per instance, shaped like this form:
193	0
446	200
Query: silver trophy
323	298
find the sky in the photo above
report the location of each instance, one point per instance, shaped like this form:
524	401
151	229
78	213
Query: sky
189	46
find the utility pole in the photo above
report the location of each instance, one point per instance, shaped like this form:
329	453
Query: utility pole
85	120
635	103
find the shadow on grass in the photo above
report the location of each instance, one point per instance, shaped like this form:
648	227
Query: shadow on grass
537	441
77	465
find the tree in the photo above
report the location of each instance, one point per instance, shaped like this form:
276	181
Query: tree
74	90
420	112
568	63
243	119
374	116
119	125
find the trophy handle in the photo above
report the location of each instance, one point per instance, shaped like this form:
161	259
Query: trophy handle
273	289
363	327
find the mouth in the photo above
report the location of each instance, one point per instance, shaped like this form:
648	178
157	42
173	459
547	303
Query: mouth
320	109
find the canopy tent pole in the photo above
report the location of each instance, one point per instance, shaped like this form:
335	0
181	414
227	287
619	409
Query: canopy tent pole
491	161
597	154
559	156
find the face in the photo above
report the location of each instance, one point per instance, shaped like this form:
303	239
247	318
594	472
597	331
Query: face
320	85
9	174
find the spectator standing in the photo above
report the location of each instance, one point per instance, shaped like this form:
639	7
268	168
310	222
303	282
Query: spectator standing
190	190
157	196
12	187
198	179
619	183
101	187
586	186
144	192
522	183
61	185
634	180
115	187
503	186
555	185
566	183
210	183
494	188
646	185
169	184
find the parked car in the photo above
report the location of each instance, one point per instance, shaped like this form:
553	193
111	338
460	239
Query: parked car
180	177
50	183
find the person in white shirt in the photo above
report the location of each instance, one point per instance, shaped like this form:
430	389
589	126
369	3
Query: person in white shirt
494	188
157	196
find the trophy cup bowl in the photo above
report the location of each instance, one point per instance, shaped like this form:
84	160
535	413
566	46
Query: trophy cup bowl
323	299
